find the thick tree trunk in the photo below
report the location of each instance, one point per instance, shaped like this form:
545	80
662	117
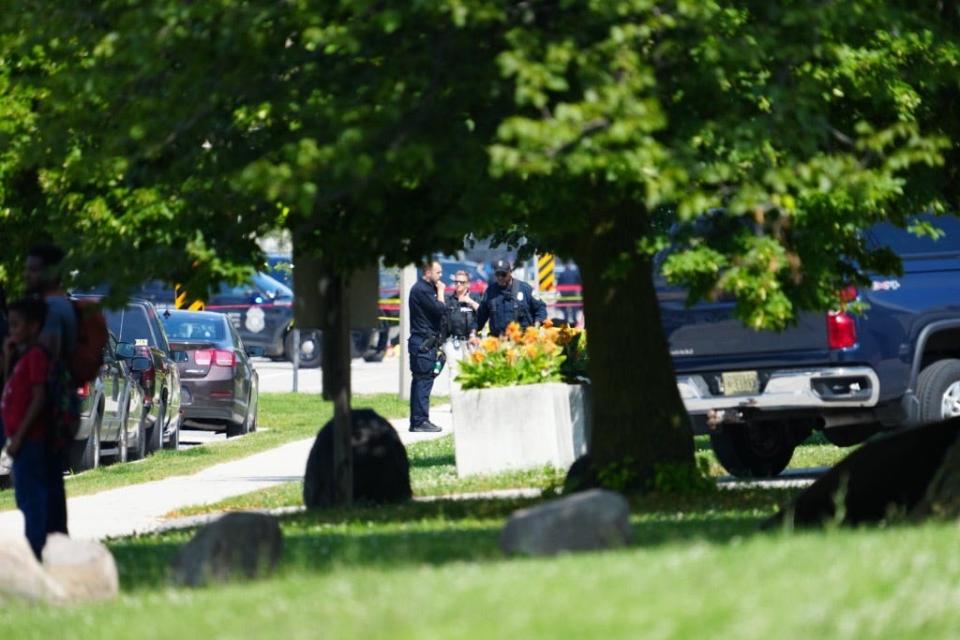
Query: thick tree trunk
638	419
336	378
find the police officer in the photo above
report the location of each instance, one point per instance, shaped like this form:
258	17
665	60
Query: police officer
461	310
508	300
427	313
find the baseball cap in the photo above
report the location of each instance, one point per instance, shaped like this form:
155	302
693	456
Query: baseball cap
502	266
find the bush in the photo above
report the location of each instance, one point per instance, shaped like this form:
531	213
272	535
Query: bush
545	354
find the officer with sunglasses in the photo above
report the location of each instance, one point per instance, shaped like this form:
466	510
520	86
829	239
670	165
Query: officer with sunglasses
461	311
508	300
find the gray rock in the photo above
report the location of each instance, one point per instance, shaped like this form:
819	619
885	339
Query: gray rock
22	578
587	521
84	569
236	546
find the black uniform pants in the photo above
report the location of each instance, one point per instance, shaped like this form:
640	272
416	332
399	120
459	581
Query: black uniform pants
422	361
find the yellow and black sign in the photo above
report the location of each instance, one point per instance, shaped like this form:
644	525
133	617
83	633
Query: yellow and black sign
183	302
546	272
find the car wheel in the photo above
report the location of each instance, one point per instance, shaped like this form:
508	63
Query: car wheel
311	349
760	450
155	439
86	455
938	390
139	449
174	442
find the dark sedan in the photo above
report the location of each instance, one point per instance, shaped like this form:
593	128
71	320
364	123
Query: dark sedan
219	384
138	328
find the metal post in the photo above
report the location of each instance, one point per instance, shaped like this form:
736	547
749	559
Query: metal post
408	276
296	359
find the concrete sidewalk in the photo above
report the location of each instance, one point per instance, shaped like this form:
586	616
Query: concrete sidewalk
139	508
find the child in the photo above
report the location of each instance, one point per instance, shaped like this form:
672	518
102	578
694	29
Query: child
37	474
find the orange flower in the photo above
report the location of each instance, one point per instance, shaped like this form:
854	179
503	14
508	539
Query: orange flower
512	356
478	356
548	323
530	335
530	351
564	337
551	334
513	331
549	348
490	344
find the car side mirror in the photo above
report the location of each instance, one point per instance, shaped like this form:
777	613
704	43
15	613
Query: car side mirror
254	352
180	356
125	350
140	364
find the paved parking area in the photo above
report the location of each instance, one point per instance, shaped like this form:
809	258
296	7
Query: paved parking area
366	377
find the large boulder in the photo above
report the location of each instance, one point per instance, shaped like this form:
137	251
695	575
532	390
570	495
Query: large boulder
22	578
233	547
381	470
84	569
889	475
587	521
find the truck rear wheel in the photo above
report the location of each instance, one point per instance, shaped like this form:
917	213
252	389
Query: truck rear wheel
756	450
938	390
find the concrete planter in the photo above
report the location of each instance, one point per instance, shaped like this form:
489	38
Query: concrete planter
522	427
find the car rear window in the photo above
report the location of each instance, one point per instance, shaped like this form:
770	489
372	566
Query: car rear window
131	325
181	327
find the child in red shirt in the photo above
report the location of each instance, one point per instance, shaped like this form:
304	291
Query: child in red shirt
37	473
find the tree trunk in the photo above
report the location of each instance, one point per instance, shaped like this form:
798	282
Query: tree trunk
638	419
335	329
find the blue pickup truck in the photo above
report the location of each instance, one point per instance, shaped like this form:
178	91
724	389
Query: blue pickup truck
760	394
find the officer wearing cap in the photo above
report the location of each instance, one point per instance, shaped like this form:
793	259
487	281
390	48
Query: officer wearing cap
509	300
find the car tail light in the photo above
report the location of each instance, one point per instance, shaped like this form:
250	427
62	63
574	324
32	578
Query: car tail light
224	358
217	357
841	330
84	391
147	379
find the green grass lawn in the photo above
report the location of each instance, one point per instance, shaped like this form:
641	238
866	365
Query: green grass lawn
283	417
698	568
433	473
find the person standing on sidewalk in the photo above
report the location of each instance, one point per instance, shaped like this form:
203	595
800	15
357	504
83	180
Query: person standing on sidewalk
43	278
37	478
509	300
427	314
461	323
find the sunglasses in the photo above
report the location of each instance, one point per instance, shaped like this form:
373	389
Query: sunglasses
461	281
500	274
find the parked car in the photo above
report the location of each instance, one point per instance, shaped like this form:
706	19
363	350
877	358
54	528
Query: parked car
140	333
759	394
220	388
112	412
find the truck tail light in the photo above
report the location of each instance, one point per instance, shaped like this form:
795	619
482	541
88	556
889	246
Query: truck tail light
84	391
841	330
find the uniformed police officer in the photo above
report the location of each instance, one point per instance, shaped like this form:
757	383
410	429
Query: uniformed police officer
509	300
427	313
461	310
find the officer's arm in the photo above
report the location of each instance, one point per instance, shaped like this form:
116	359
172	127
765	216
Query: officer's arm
538	309
483	313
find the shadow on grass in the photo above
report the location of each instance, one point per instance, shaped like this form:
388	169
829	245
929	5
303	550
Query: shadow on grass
447	531
445	460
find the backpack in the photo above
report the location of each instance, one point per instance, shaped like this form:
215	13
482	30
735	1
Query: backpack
87	357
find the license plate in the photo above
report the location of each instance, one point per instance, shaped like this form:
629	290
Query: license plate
737	383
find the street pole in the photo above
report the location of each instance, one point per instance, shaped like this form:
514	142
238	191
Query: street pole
296	359
408	277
